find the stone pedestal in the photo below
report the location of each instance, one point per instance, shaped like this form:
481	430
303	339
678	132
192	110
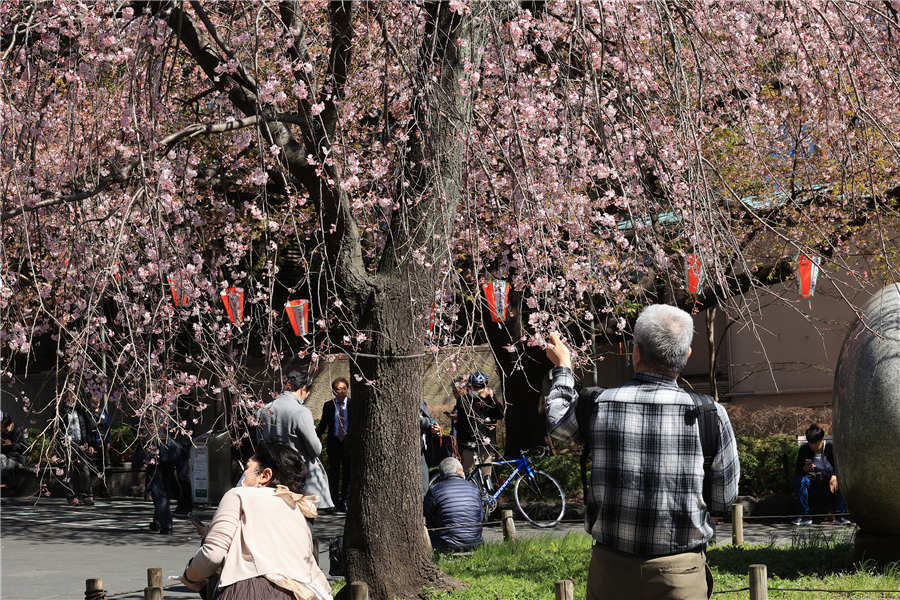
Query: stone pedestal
867	419
882	549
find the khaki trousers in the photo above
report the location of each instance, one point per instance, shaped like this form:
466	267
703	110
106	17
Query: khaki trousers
617	576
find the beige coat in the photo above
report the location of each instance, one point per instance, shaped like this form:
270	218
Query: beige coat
262	532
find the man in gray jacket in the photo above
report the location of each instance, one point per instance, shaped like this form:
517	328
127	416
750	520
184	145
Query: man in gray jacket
287	421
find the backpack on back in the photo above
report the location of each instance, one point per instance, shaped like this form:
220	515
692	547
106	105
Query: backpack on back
704	411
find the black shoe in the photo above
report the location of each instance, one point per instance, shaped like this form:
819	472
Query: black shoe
88	501
166	531
154	526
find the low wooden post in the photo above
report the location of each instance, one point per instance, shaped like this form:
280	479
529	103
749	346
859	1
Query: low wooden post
93	589
509	526
154	577
565	589
359	591
759	583
152	593
154	589
737	524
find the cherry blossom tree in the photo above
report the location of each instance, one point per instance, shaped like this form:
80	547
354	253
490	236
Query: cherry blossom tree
384	160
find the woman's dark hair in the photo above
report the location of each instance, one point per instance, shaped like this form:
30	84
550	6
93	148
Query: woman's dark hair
814	433
288	469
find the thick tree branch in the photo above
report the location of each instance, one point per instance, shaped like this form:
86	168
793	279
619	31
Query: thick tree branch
121	175
338	226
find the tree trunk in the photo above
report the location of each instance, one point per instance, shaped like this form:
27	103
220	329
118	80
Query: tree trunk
383	541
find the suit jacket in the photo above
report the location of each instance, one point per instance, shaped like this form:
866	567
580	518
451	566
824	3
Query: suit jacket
326	424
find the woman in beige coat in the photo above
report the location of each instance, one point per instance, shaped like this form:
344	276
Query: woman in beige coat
260	537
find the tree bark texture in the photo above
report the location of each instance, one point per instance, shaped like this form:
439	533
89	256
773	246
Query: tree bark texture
383	540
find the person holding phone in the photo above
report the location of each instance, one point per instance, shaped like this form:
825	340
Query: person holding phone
260	536
647	507
286	420
816	479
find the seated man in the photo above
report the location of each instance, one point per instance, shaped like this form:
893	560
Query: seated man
453	501
816	477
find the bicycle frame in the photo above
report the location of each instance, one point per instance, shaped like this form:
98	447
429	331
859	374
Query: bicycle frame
522	465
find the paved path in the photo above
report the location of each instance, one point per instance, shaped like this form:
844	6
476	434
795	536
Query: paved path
47	550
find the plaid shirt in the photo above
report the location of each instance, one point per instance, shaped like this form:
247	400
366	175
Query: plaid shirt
646	494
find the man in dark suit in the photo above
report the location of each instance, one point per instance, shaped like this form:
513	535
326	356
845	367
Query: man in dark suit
335	423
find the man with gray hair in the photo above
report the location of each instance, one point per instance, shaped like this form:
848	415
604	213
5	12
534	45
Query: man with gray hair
663	459
453	508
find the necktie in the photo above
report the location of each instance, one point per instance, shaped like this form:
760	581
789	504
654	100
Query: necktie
341	429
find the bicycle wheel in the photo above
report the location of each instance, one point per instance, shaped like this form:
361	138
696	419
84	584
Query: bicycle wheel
434	479
540	499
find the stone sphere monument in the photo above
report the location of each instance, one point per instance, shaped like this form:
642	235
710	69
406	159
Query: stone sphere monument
867	423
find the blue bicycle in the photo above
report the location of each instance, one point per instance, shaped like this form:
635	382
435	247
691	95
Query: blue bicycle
538	496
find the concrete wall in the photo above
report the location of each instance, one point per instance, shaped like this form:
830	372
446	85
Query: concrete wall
780	352
785	350
439	373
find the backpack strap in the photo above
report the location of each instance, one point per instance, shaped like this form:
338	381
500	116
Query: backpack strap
708	423
584	412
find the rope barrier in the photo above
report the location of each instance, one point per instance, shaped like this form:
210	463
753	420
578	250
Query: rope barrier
460	525
737	591
140	591
750	518
834	591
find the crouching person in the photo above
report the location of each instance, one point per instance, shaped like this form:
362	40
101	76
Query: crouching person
453	507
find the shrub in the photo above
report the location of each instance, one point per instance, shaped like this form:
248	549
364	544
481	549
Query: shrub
764	421
122	445
38	446
767	464
564	468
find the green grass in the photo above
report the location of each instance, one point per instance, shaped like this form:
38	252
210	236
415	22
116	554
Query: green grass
528	569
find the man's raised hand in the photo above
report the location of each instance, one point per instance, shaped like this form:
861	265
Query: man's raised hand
557	351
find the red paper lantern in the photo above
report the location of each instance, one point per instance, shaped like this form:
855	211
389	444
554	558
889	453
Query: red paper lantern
233	298
298	314
497	294
695	273
808	271
180	291
431	320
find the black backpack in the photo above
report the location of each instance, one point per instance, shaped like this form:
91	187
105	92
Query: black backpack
704	410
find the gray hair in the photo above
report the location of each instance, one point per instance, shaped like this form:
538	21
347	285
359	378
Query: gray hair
663	335
449	466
